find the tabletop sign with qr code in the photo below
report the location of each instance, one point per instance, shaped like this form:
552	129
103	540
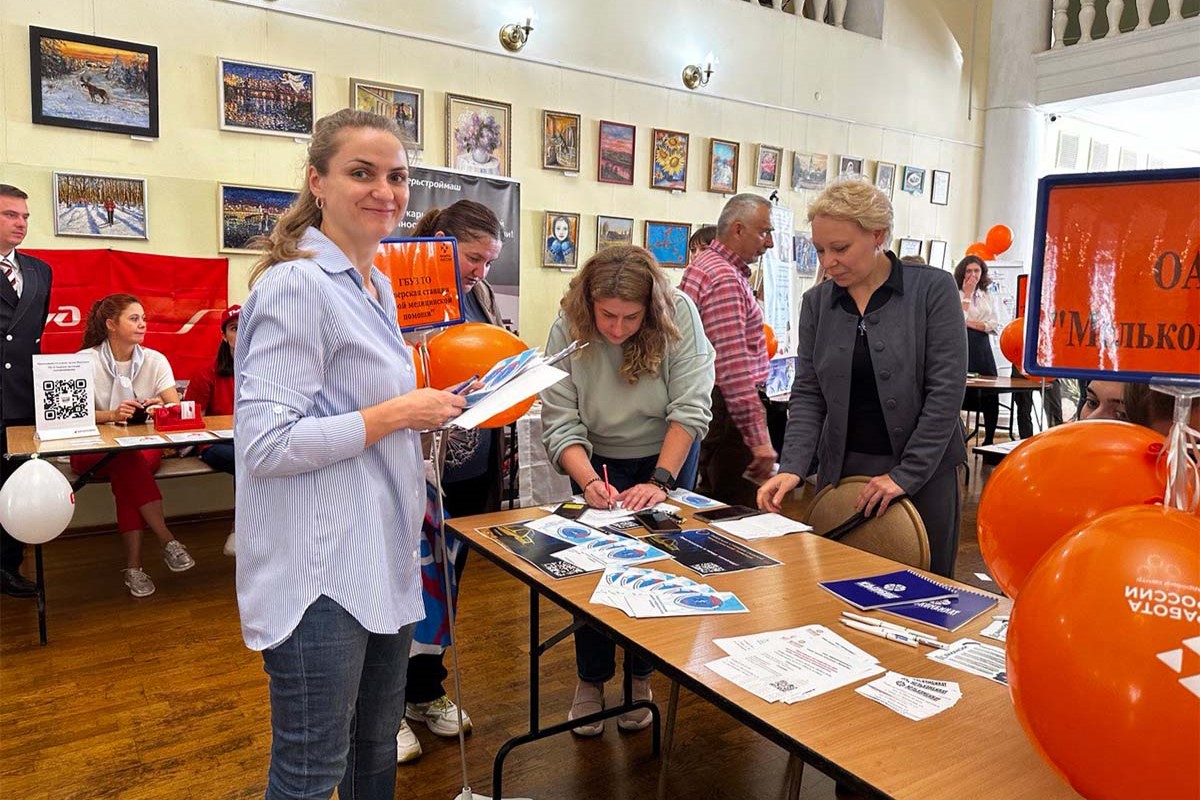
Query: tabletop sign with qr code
1114	287
64	388
424	277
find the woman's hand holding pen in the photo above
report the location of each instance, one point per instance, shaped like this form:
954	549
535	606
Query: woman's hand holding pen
598	494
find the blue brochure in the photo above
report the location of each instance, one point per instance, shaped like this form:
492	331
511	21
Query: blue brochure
950	613
890	589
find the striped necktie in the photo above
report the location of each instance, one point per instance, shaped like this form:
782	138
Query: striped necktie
10	272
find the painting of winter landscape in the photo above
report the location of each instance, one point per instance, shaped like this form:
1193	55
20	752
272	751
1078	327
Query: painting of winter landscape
80	81
101	206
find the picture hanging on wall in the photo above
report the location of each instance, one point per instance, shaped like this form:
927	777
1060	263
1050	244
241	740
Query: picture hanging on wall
668	242
910	247
99	206
850	167
562	240
885	177
937	253
615	163
768	162
478	135
97	84
669	160
913	181
405	104
723	166
248	212
560	141
809	171
258	98
939	188
612	231
805	253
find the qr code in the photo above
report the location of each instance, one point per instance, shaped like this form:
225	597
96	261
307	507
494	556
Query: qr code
65	399
706	568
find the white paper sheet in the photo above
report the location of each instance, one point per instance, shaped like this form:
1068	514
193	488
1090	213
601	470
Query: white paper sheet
191	436
518	389
976	658
762	526
131	441
915	698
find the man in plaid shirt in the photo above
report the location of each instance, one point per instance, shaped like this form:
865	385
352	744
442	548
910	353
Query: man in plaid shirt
718	281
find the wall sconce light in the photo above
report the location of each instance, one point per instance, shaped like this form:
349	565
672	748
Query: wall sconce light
695	75
513	36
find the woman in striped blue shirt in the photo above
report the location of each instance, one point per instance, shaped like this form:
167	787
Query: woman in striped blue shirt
330	491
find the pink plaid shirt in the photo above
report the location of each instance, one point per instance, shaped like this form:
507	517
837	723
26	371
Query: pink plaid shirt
717	280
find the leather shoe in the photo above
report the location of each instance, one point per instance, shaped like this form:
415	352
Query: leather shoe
14	584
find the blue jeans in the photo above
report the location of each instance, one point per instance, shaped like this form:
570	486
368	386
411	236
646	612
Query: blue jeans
219	456
337	700
595	653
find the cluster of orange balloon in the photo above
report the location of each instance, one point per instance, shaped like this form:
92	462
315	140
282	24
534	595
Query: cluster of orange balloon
471	349
998	240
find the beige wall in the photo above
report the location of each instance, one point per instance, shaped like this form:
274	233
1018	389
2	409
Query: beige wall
782	80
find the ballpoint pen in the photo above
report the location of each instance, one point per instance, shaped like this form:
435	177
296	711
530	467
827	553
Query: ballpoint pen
882	633
923	638
607	487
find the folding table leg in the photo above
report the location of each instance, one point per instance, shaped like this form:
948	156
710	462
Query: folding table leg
668	740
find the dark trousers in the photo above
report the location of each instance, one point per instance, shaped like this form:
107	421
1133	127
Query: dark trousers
724	457
1051	407
981	360
12	551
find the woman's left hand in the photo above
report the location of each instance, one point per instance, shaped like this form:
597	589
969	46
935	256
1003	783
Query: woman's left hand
881	490
643	495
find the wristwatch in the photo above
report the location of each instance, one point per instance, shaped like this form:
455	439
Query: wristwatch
662	479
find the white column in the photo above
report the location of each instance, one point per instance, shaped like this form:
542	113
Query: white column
1013	128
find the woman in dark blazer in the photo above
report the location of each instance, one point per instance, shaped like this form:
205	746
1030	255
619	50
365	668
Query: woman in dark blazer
881	374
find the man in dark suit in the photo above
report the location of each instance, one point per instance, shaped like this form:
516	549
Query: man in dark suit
24	306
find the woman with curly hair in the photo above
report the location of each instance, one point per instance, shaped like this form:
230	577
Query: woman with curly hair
636	402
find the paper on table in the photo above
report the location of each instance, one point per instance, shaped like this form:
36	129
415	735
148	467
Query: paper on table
70	444
129	441
976	658
223	433
518	389
762	526
599	517
997	629
191	436
915	698
692	499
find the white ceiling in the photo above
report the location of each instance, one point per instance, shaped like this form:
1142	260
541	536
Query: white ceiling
1170	119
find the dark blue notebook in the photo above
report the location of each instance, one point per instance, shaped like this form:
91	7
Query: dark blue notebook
890	589
949	613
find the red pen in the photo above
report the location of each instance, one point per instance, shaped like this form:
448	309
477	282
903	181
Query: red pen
607	487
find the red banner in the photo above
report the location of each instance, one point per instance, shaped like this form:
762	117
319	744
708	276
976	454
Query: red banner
183	298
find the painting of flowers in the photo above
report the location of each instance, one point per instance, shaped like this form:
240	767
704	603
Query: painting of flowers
767	166
669	163
478	135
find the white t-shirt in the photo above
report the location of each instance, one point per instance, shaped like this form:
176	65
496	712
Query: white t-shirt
152	379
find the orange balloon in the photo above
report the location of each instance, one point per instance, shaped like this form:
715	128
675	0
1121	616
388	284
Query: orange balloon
772	342
471	349
1012	343
1104	658
1058	480
418	367
980	249
999	238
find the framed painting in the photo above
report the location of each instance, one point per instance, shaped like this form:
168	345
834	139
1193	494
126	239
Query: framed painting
910	247
478	135
939	188
258	98
615	159
613	231
767	165
913	180
723	166
560	141
669	160
937	253
247	212
668	242
885	177
405	104
809	171
805	253
850	167
99	206
562	240
93	83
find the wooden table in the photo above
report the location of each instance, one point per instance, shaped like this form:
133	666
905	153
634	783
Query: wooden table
975	749
23	444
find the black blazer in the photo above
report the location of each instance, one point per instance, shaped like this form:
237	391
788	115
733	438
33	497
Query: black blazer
919	355
21	324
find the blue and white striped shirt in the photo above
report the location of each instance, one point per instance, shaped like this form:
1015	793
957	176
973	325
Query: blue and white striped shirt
317	512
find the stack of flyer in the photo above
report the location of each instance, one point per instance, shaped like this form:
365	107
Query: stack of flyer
510	381
794	664
644	593
563	548
915	698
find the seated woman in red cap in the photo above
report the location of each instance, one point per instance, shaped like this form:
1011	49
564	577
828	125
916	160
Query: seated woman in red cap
212	390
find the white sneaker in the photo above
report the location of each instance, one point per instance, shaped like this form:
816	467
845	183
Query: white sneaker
138	582
440	715
408	748
228	549
176	556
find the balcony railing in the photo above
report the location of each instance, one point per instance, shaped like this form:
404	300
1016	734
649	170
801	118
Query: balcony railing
1077	22
860	16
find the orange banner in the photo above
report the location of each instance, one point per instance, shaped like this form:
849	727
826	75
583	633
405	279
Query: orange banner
424	277
1116	277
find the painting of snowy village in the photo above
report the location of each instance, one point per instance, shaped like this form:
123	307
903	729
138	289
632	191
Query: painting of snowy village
102	206
248	212
97	84
256	98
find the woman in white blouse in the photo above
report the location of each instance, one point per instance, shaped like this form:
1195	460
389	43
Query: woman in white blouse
971	275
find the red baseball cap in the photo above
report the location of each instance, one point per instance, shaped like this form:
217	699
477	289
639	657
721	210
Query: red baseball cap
228	315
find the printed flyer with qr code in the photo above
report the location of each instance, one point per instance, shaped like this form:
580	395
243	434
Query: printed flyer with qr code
64	388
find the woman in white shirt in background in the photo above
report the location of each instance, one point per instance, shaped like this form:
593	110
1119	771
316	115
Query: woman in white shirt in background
971	275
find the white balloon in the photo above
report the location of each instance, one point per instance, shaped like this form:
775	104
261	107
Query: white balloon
36	503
